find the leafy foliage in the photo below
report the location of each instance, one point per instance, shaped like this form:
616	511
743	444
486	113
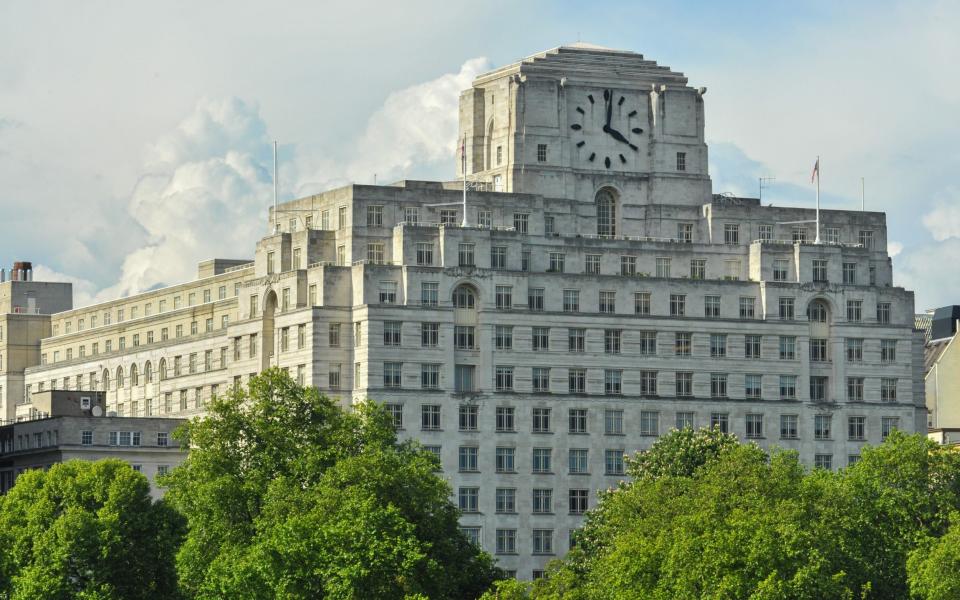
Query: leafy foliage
706	517
288	496
86	530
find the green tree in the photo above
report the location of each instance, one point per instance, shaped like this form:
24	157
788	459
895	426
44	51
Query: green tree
288	496
706	517
86	530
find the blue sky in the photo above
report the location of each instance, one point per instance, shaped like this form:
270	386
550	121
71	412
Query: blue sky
135	139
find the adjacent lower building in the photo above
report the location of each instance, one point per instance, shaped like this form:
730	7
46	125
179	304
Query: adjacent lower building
61	425
577	293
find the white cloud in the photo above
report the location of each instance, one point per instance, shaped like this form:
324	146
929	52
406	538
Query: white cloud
931	272
894	248
83	289
943	221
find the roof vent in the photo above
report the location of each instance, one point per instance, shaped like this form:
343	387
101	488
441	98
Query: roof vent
944	323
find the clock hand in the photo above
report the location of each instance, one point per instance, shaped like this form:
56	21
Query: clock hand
609	96
615	134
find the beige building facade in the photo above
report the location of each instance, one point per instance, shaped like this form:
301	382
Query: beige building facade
595	294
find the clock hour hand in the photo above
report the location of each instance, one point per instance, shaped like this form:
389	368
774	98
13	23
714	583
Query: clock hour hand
615	134
608	95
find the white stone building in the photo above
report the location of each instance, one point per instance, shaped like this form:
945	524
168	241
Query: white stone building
598	295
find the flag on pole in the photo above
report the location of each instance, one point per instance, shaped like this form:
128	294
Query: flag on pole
816	171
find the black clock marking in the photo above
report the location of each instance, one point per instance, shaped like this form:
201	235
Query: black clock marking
622	100
637	130
633	146
580	144
606	161
576	127
606	94
632	113
580	110
590	98
592	156
623	159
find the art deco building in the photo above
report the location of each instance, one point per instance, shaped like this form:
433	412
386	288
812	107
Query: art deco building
595	294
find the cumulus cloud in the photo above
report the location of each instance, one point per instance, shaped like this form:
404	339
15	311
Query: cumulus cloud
931	271
84	291
943	221
416	128
207	184
894	248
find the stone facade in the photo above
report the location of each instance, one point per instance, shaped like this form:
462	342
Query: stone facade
586	308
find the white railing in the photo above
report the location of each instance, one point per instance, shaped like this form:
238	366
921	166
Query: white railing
238	267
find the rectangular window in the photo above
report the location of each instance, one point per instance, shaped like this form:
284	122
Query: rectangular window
503	337
678	305
503	378
731	234
765	232
682	344
799	234
720	421
865	238
483	219
608	302
684	420
542	460
788	347
524	260
698	268
855	389
611	340
521	222
429	376
557	262
883	312
831	235
887	425
542	501
541	153
850	273
392	374
429	335
888	351
391	333
888	389
754	423
86	438
628	265
819	271
469	417
854	349
535	299
506	538
571	300
641	303
448	216
685	233
818	350
681	161
577	462
541	339
649	422
613	382
823	461
821	427
464	337
541	420
429	293
541	379
465	255
506	460
788	387
711	307
505	419
468	499
464	379
430	417
576	339
504	297
684	384
751	346
396	414
498	257
375	253
506	500
786	308
613	422
577	381
752	386
663	266
788	427
646	343
856	428
854	310
411	214
718	345
592	264
388	292
374	216
780	267
424	253
718	385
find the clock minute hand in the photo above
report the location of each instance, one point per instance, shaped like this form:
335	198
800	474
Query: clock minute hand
615	134
609	97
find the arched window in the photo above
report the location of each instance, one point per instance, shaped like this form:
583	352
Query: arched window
134	376
818	312
106	380
163	369
119	382
606	213
148	372
464	297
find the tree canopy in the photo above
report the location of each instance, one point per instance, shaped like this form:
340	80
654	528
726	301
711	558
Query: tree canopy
288	496
707	517
87	530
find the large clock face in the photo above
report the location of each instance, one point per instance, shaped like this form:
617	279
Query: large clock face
604	128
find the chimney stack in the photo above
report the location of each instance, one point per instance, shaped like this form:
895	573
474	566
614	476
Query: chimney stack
22	271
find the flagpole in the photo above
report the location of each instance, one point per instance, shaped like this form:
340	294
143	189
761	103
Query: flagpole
861	195
463	151
817	237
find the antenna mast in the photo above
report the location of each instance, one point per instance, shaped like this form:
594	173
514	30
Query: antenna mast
276	192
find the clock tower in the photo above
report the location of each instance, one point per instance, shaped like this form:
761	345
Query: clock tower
582	121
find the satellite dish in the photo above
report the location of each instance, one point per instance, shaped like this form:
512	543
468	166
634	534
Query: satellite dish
96	411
